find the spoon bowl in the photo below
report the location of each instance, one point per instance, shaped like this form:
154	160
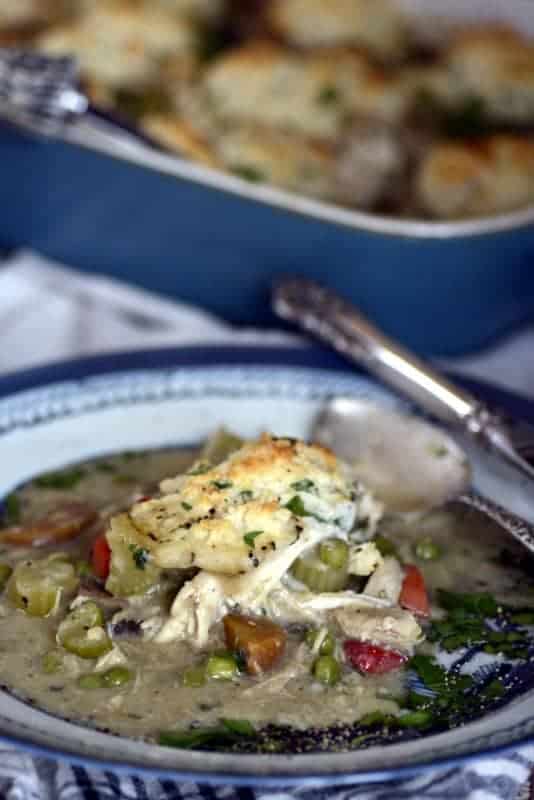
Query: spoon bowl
408	464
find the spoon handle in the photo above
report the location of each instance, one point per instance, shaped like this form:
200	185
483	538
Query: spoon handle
336	322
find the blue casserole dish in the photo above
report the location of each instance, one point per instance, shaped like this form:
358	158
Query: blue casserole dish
116	205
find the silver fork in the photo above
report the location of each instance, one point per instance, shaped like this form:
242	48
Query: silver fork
335	321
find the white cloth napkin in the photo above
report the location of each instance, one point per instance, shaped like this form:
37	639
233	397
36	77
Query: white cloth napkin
48	313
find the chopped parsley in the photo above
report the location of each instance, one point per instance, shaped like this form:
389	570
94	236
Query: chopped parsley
12	509
250	536
187	506
139	555
246	495
199	469
328	96
105	466
227	732
60	480
466	625
385	546
248	173
296	506
222	484
304	485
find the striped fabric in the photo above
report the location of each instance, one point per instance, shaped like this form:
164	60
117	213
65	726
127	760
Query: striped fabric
505	777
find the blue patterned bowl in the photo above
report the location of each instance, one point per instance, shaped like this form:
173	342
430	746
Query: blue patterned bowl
69	412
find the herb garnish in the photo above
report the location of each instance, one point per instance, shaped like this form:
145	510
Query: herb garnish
139	555
60	480
385	546
296	506
222	484
199	469
328	96
305	485
229	731
187	506
246	495
12	509
105	466
250	536
466	625
248	173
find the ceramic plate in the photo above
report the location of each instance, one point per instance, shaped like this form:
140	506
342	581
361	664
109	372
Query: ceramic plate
57	415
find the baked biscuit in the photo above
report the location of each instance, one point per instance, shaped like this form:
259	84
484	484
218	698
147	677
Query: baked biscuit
231	518
469	179
312	94
497	65
121	44
378	27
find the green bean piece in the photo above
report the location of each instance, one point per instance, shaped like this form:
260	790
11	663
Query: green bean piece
194	677
116	676
222	667
92	680
427	550
334	553
5	574
327	646
326	670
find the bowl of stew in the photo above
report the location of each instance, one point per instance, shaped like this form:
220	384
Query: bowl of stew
191	587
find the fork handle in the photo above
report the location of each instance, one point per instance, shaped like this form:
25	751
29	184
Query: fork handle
336	322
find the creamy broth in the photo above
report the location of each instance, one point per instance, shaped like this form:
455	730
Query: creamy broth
474	557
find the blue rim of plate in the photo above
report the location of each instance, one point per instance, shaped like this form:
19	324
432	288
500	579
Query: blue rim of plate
205	356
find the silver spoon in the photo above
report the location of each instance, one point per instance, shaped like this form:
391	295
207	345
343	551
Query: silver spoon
336	322
343	420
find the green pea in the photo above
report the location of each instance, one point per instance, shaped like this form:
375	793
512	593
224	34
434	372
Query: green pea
222	667
328	644
427	550
116	676
91	681
334	553
194	677
5	574
83	569
327	670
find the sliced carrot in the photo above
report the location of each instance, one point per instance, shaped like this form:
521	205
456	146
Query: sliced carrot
414	596
100	557
64	522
